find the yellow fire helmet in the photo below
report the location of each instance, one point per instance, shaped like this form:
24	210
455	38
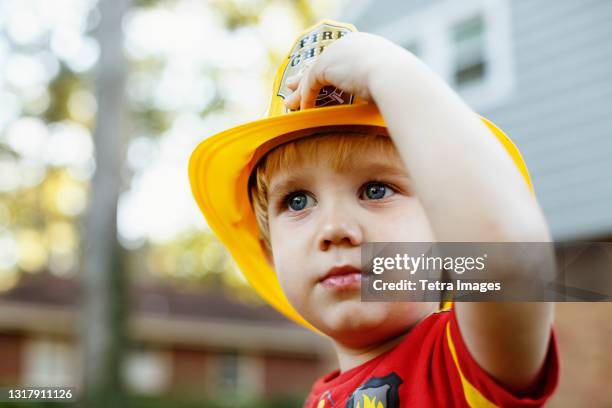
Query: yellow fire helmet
220	166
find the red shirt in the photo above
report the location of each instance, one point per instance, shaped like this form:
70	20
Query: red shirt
431	367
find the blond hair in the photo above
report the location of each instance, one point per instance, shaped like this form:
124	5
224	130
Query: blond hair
347	142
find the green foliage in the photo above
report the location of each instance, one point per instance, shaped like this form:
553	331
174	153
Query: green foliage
38	404
237	15
145	3
60	90
177	402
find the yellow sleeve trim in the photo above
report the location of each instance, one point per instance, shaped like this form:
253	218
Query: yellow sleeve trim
473	397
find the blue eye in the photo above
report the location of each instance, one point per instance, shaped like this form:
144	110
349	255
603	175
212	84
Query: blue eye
299	201
377	191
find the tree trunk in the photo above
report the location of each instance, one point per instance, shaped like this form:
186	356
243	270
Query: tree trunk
104	281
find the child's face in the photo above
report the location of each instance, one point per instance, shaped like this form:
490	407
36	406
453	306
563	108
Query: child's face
318	219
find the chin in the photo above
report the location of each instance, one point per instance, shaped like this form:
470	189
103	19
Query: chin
357	324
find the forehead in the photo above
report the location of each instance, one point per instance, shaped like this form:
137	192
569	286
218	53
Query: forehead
338	152
342	151
346	156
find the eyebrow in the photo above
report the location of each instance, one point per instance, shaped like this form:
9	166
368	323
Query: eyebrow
284	185
378	167
289	182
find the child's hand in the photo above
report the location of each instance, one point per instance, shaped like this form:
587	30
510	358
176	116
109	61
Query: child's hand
347	64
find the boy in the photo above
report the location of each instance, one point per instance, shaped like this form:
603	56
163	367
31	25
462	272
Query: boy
295	196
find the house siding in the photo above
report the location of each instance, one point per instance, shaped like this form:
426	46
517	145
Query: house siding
303	371
11	348
189	371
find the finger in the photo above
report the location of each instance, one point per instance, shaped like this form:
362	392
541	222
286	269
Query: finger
292	101
293	82
310	85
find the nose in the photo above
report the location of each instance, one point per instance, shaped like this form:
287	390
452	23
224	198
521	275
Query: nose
339	228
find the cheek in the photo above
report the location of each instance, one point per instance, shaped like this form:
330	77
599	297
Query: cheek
406	222
289	263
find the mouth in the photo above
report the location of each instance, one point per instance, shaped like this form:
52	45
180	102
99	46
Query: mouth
342	277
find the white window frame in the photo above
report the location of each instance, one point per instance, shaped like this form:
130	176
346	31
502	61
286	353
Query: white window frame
432	29
50	362
148	370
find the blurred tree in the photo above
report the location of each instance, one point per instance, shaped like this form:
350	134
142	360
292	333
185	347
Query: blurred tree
104	280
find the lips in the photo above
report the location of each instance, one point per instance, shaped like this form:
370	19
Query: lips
341	277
